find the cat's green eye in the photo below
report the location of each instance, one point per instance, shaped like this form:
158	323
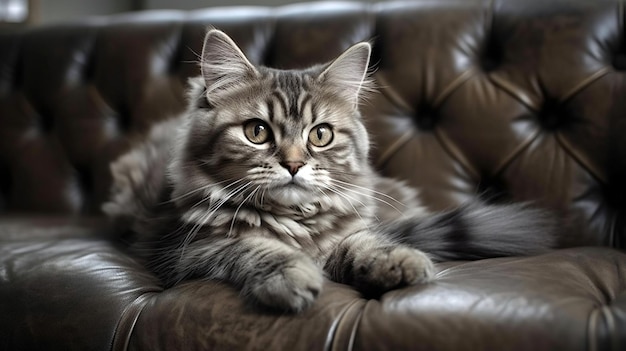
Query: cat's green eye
257	131
321	135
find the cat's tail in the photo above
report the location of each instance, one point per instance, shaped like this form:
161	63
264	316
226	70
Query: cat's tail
138	179
476	231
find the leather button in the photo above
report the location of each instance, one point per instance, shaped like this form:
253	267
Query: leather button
491	57
426	118
619	61
552	115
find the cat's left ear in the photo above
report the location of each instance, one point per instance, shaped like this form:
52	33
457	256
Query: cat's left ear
224	66
347	74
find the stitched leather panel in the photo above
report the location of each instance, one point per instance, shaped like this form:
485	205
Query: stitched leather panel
513	101
534	303
63	286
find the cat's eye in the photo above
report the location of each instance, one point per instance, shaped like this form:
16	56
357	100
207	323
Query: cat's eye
321	135
257	131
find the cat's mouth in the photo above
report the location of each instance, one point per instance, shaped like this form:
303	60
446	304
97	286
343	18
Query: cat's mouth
291	192
292	184
296	185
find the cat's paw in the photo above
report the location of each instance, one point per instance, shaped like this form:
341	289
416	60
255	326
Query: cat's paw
293	288
382	269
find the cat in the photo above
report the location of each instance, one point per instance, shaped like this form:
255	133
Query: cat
265	182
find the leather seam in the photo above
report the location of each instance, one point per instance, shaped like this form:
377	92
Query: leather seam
121	338
331	339
350	315
602	317
610	326
355	327
592	327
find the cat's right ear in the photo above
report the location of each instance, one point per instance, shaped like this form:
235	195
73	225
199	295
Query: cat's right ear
224	66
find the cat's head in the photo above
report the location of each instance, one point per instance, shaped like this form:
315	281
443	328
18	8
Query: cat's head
284	136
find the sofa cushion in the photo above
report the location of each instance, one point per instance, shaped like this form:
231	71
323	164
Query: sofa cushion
566	300
63	286
514	100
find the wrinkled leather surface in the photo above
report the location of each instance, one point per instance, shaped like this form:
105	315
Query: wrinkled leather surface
79	292
64	285
510	303
510	99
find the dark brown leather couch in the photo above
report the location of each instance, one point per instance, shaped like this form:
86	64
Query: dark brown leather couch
514	100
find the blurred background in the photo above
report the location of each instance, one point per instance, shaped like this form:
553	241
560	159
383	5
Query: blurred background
38	12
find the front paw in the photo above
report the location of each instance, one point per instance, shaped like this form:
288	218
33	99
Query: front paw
383	269
293	288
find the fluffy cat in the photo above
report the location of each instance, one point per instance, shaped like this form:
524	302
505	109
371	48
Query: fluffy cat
265	182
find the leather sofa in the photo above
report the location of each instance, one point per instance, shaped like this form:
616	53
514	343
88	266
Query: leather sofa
506	100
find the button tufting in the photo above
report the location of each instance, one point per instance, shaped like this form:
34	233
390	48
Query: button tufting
552	114
491	56
619	61
426	117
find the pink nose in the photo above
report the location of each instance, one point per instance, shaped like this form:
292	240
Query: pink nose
292	166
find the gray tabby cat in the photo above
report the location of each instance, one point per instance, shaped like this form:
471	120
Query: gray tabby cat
265	183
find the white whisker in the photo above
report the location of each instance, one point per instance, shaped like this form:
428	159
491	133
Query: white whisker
371	190
370	196
348	199
174	199
232	223
205	218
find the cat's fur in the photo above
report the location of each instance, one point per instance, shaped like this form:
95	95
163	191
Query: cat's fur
273	218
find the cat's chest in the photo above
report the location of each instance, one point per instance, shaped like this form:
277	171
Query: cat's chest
317	235
316	232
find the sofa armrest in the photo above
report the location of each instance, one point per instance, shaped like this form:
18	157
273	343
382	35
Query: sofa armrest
565	300
64	288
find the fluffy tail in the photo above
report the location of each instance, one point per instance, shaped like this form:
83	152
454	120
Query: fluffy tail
139	178
476	231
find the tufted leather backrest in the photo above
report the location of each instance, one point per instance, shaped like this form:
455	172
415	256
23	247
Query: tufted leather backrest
508	99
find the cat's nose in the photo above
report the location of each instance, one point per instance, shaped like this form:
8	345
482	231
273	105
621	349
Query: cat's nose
292	166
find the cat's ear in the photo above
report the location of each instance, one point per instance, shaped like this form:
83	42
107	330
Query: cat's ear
224	66
347	74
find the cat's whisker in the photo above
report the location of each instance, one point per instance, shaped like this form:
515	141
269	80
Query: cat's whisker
370	196
208	186
339	187
348	199
195	53
187	194
262	197
205	218
232	223
214	207
370	190
204	199
319	188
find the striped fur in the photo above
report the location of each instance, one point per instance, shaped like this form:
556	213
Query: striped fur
264	182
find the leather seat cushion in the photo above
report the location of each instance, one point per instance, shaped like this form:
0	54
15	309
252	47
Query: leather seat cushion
75	290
